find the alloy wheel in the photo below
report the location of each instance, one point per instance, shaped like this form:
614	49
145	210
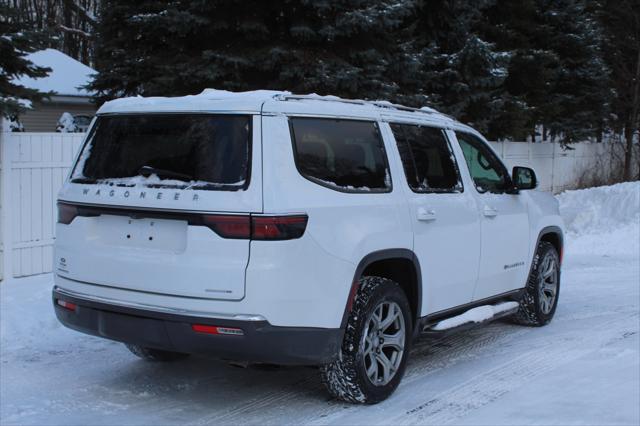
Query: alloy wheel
384	343
548	283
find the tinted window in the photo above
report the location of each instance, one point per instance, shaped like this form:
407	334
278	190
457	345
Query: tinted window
485	168
178	150
344	154
427	159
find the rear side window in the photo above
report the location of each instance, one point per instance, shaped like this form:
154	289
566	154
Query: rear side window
197	151
345	155
427	158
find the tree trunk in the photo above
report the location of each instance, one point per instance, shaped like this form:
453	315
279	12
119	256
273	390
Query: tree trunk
632	124
628	136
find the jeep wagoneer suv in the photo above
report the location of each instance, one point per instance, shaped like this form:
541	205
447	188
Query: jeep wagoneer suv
297	230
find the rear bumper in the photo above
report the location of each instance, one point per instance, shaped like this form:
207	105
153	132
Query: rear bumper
260	342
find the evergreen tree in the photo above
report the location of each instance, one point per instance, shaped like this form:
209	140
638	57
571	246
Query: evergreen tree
341	47
15	43
620	20
462	74
556	72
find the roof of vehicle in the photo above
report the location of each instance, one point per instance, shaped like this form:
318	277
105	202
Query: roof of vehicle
270	101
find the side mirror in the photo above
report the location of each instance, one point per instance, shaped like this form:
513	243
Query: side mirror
524	178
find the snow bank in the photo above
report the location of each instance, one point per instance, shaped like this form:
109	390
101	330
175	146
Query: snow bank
612	210
600	209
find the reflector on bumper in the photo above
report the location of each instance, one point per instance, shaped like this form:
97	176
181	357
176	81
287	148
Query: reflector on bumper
212	329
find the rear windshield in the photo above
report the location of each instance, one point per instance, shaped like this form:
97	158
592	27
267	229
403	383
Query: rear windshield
188	151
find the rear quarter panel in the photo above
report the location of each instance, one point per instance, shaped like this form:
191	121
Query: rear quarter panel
314	274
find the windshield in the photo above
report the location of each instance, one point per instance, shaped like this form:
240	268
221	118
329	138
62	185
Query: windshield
189	151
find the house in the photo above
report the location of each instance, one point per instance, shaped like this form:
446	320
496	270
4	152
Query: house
66	79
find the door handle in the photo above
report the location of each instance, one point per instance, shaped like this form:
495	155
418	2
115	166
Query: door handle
490	211
426	215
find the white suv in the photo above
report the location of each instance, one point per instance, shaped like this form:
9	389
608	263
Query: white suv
300	230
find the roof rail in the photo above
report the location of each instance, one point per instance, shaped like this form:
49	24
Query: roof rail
378	104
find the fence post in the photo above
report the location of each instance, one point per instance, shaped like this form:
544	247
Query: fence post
5	220
553	168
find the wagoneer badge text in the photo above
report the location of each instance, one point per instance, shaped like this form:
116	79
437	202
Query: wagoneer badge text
141	195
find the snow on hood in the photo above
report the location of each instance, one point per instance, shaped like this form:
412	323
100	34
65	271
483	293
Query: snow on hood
65	78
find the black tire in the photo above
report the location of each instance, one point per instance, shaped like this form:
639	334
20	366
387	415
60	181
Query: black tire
346	378
155	355
531	311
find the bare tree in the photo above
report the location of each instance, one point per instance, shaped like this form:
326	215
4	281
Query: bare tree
70	23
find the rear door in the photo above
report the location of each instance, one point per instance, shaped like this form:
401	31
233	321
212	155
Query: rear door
160	203
445	218
504	218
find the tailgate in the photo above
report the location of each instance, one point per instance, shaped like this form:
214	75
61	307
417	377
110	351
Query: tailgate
140	194
151	254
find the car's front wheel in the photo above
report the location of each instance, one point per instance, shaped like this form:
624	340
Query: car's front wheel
539	302
375	346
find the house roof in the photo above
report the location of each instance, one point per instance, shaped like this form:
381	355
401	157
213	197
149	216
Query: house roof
66	75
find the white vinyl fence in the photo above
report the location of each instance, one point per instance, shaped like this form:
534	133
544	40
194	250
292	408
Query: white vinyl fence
558	169
33	166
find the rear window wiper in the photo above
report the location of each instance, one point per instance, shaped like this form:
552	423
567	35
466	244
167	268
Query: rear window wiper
147	171
83	180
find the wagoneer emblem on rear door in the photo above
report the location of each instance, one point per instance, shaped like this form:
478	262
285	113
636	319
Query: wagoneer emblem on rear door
141	195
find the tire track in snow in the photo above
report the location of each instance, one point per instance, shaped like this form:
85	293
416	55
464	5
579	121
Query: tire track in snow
485	388
489	386
427	357
430	356
255	409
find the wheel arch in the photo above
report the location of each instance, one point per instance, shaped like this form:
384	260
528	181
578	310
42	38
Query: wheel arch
400	265
553	235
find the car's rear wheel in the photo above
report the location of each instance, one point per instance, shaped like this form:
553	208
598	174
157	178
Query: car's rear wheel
156	355
375	346
539	302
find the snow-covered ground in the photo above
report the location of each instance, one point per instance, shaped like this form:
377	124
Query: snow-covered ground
583	368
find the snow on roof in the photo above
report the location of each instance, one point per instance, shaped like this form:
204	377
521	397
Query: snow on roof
66	75
210	100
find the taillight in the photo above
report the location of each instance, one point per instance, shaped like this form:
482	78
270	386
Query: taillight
278	227
257	227
66	213
238	227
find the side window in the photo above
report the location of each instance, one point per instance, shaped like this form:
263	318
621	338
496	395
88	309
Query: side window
487	171
346	155
427	159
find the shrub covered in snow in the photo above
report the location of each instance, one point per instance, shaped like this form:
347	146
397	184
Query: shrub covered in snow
66	124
